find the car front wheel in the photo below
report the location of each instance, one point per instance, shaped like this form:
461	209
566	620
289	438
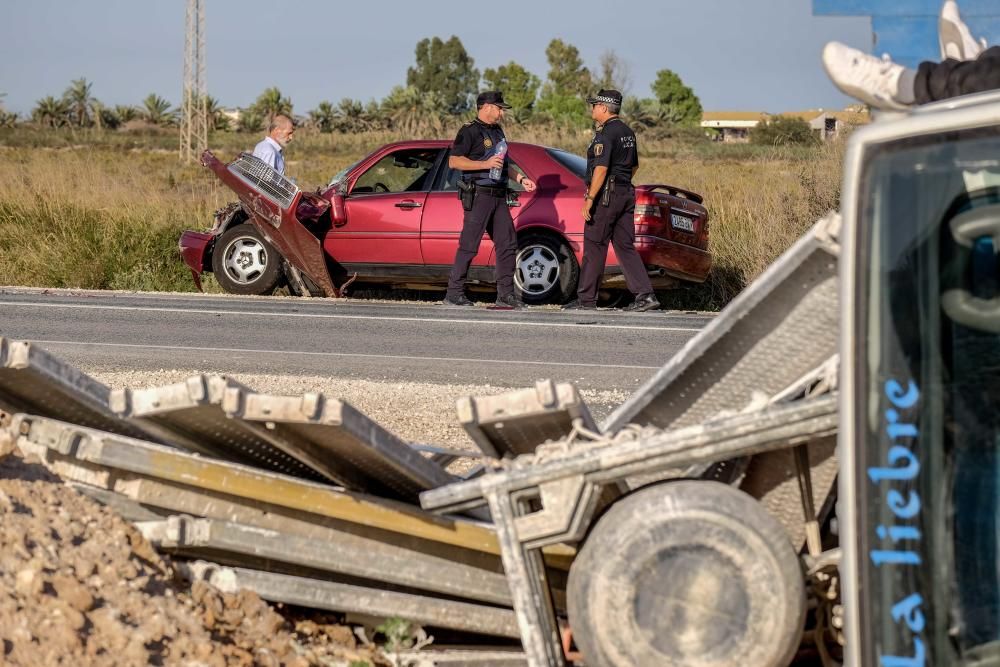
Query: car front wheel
244	263
545	270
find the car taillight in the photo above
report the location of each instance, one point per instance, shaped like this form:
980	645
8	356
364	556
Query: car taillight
648	210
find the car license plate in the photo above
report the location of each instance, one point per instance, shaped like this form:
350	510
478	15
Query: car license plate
681	222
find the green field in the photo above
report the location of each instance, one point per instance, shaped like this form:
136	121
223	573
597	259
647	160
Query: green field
103	210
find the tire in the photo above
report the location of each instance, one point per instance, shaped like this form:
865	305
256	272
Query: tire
244	263
687	574
545	269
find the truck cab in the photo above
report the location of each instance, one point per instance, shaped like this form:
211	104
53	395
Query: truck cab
919	433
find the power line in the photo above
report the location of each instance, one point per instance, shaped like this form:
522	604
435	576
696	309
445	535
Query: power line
194	102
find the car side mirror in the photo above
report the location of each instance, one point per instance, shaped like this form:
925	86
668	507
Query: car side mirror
338	210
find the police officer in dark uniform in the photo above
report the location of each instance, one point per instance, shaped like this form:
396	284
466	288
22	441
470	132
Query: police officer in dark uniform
609	207
479	148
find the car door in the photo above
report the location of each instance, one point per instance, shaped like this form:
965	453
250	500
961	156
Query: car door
384	205
443	215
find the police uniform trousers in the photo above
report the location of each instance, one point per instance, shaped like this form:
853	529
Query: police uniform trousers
614	223
951	78
489	214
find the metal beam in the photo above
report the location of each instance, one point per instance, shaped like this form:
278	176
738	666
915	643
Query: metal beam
144	458
32	380
345	598
336	439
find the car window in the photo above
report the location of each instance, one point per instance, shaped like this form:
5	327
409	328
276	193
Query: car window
407	170
574	163
448	182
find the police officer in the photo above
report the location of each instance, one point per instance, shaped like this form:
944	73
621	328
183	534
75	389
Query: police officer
475	152
609	206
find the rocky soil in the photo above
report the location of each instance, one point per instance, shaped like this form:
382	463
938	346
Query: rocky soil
80	586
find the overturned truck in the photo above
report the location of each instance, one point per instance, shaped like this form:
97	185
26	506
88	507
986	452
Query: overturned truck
710	527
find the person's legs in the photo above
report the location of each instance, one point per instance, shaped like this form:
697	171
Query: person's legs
501	231
596	235
623	240
940	81
473	226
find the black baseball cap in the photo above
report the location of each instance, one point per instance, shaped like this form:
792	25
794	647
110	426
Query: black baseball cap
492	97
606	96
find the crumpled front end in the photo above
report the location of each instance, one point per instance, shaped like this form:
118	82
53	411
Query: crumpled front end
194	248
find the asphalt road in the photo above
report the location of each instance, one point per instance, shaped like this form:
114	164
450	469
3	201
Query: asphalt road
350	339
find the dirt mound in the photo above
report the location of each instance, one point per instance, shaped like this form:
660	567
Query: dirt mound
80	586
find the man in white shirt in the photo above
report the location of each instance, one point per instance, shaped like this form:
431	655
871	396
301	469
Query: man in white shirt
279	133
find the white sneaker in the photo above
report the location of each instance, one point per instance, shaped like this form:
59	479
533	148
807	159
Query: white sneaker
954	36
874	81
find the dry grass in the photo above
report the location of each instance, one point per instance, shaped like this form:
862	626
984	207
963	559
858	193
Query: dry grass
104	210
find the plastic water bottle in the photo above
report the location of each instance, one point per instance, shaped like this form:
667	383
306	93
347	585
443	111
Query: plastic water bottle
501	150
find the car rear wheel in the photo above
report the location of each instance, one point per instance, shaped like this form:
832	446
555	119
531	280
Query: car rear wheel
244	263
545	270
687	574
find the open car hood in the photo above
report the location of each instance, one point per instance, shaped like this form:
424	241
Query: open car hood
271	201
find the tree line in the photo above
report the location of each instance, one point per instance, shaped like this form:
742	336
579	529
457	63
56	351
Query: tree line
442	84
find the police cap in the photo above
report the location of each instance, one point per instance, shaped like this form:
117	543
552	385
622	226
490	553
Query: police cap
606	96
492	97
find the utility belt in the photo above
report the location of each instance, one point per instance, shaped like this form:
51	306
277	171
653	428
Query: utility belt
612	183
468	190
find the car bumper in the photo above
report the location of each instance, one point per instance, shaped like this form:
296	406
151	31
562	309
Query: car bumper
194	250
675	259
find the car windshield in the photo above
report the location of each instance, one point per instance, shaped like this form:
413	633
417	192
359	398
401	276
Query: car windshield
342	173
574	163
928	496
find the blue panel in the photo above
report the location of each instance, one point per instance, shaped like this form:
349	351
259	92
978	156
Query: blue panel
968	8
907	29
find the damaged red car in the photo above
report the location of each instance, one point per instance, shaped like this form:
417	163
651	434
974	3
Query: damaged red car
394	219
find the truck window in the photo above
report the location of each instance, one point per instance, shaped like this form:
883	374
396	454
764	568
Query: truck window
927	406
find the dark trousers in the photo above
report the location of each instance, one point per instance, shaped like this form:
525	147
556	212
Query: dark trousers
951	78
489	214
613	223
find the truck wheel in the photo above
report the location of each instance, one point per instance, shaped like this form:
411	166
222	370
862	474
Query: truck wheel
244	263
545	269
687	574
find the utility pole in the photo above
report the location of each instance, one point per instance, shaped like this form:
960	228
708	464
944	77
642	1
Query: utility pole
194	103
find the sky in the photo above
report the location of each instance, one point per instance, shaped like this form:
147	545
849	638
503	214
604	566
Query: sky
745	55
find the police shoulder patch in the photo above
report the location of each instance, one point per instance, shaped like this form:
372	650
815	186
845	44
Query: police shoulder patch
598	150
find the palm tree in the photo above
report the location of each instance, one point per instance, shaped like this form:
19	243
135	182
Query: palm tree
323	116
270	103
156	110
80	102
126	112
50	112
251	120
217	120
413	112
351	116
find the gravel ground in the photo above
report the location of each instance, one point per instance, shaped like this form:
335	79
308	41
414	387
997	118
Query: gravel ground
415	411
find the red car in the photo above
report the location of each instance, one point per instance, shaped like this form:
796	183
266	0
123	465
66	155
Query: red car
394	218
